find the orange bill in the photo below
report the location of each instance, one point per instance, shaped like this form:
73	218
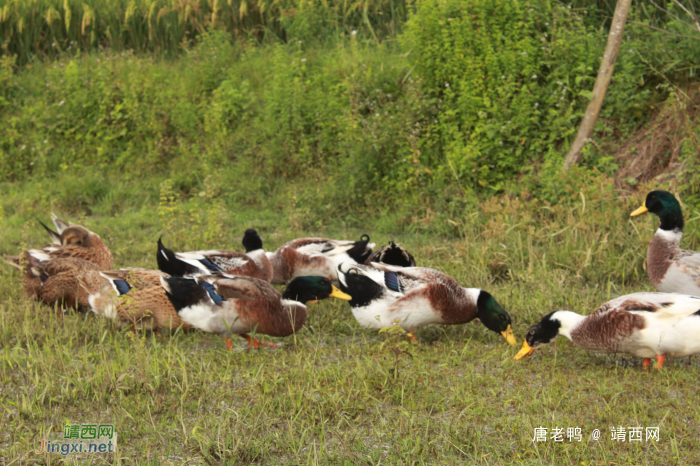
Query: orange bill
525	351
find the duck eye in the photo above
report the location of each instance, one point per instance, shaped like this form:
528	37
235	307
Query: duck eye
531	332
503	317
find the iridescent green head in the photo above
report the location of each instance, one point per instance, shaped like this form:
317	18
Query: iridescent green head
666	207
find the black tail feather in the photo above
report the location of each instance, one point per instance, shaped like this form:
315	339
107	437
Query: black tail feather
393	255
55	237
170	264
360	252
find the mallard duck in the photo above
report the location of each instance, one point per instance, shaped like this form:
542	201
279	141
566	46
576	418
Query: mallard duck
670	268
417	296
316	257
238	305
648	325
133	297
55	281
130	296
73	241
60	226
392	254
254	263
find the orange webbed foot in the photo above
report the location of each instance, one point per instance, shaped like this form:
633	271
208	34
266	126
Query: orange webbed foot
255	343
412	337
646	364
660	358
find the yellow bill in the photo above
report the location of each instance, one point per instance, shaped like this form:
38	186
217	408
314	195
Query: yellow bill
336	293
525	351
640	211
508	335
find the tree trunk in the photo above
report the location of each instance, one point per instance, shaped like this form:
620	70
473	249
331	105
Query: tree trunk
601	82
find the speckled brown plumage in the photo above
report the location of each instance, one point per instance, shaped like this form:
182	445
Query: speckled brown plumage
148	308
144	306
57	281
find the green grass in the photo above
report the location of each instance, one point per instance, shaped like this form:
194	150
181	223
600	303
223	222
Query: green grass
329	395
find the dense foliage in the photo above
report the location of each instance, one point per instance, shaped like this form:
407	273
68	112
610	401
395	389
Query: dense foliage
474	98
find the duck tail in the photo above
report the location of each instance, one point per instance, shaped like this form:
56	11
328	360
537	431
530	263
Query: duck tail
361	250
393	254
170	264
55	237
58	223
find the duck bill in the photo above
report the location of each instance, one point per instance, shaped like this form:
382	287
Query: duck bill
336	293
508	335
640	211
525	351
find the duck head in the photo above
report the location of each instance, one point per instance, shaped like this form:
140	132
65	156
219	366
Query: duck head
251	240
311	289
494	317
666	207
542	333
75	235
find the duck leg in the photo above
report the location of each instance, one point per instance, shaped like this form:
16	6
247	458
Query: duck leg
646	364
660	358
412	336
229	344
255	343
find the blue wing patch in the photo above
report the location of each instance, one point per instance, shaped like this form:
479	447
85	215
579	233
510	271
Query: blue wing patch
392	282
212	268
122	286
217	299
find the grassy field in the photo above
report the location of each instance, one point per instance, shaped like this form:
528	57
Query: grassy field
335	393
195	120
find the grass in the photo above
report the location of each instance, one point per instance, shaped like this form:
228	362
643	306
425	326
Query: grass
329	395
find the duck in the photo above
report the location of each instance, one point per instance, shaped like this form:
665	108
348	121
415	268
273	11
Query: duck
55	281
316	257
254	263
132	297
646	324
392	254
670	268
74	241
237	305
416	296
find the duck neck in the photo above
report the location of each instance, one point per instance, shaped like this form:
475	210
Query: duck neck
663	248
568	320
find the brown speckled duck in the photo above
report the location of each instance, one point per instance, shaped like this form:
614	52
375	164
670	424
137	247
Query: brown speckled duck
254	263
133	297
57	281
648	325
416	296
392	254
71	241
670	268
130	296
316	257
240	305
